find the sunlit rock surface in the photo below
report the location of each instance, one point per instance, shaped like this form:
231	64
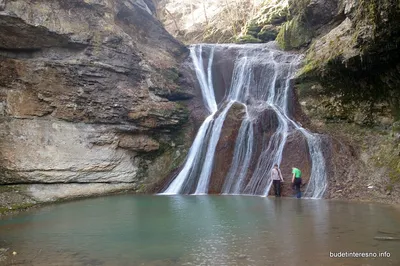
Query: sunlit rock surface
89	93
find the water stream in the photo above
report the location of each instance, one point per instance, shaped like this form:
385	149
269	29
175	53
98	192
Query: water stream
260	81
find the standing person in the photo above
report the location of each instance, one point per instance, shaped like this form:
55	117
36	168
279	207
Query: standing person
296	181
276	177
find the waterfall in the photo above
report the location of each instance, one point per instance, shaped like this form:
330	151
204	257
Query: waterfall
260	82
241	160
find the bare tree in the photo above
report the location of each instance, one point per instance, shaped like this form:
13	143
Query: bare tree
173	19
205	11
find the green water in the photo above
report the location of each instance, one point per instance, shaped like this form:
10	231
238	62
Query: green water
203	230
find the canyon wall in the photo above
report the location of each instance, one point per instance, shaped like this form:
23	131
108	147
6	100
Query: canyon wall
92	100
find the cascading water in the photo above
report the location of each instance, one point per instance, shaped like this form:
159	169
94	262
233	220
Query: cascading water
260	81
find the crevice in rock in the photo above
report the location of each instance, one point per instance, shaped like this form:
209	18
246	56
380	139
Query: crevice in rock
46	53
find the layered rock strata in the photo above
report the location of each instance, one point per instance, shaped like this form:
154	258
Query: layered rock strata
90	95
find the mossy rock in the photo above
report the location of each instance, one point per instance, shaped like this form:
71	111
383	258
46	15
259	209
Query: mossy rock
252	28
267	34
396	127
265	23
171	74
272	14
294	34
16	207
247	39
275	17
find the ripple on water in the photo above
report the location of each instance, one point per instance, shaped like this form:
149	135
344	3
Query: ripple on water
147	230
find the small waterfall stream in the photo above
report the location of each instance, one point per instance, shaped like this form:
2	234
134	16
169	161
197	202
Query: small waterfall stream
260	82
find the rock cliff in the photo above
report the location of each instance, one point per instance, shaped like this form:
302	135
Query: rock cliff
90	98
349	88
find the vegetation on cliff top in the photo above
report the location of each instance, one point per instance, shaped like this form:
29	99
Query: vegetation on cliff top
220	21
357	59
264	25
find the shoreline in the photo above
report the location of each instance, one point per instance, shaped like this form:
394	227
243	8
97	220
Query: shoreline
9	212
26	207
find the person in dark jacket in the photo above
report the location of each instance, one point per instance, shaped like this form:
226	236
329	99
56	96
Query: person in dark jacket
277	178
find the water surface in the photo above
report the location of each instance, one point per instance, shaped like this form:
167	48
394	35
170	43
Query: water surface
201	230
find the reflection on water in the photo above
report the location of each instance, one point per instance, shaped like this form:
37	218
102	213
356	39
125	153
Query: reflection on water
202	230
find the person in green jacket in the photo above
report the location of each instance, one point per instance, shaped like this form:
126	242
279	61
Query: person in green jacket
296	181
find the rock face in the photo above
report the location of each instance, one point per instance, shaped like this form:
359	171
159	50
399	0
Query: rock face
225	147
349	88
353	53
88	94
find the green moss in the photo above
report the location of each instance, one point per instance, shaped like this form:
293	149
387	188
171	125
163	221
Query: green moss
308	68
294	34
142	188
16	207
252	28
267	34
387	156
298	6
271	13
396	127
171	74
12	188
6	188
264	25
22	206
247	39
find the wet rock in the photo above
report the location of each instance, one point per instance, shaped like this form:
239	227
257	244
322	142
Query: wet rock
225	147
321	11
2	4
295	154
266	124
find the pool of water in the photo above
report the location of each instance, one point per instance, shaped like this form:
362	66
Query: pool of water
202	230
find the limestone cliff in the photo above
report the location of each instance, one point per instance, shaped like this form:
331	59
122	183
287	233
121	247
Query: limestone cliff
349	88
90	97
